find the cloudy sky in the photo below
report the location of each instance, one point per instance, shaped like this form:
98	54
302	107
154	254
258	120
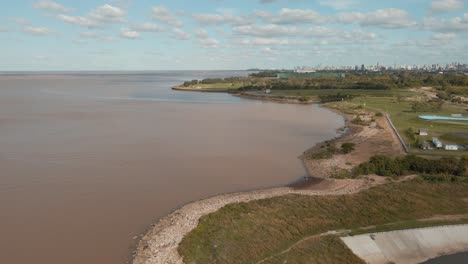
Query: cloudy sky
229	34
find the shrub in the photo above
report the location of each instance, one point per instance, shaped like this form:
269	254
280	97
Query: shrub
347	147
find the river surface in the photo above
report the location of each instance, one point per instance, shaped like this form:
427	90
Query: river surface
89	160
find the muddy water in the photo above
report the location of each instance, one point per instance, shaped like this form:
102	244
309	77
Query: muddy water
88	161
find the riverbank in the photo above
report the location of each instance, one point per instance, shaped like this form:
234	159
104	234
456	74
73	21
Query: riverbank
278	99
160	243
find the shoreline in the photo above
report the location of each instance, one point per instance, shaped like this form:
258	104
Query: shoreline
160	242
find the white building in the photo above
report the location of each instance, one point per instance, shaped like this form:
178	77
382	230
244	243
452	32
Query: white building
437	143
451	147
423	132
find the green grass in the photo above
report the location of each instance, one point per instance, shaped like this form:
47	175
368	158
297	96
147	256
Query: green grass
455	138
249	232
406	225
355	92
403	118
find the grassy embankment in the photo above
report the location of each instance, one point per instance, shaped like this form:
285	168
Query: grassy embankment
288	228
214	87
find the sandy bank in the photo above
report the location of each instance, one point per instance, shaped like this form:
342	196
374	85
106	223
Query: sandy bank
409	246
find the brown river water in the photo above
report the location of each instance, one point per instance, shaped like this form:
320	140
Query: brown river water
89	160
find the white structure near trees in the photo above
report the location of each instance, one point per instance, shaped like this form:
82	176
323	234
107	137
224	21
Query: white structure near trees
437	143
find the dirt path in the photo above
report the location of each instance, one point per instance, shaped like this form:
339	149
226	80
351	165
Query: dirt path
159	245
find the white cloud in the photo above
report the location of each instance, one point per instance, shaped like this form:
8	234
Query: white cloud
220	19
201	34
292	16
209	42
38	31
338	4
384	18
267	51
441	6
148	27
97	17
164	15
263	41
79	20
129	34
3	29
95	35
270	30
180	34
52	6
108	13
443	25
444	36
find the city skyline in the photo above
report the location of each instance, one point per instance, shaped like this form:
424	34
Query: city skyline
208	34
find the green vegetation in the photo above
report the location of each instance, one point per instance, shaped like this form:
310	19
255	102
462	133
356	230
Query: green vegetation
388	166
408	225
278	229
347	147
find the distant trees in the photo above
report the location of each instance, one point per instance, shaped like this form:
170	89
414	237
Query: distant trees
430	106
388	166
450	84
335	97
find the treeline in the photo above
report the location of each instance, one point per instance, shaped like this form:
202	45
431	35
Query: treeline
447	84
335	97
388	166
265	74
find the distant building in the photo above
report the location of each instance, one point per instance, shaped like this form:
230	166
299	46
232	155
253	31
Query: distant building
451	147
423	132
437	143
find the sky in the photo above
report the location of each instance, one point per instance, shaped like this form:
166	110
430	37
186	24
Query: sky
229	34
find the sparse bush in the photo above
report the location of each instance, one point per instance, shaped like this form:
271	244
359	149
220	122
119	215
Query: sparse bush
347	147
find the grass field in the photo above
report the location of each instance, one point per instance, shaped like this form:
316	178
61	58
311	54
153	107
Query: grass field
271	229
355	92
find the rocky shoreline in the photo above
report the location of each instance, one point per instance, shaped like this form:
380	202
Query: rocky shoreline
159	245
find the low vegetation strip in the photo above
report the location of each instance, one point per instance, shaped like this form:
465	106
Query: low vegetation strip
253	231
